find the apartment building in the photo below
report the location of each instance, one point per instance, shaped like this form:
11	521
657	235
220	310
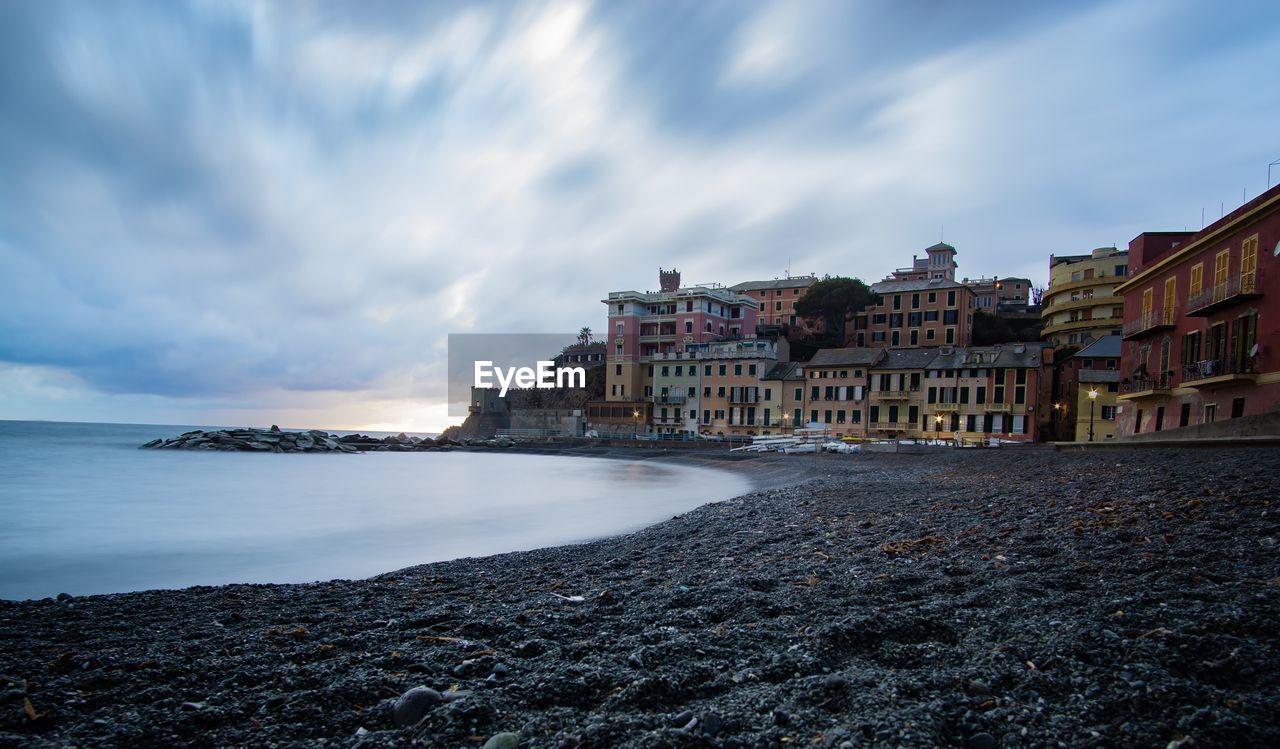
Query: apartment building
733	399
777	300
677	382
782	387
649	324
995	295
1086	388
1081	304
895	393
980	393
835	392
1200	333
916	314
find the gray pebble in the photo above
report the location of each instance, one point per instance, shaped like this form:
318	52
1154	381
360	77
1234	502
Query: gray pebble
414	704
502	741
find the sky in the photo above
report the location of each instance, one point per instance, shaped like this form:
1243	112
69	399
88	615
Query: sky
252	213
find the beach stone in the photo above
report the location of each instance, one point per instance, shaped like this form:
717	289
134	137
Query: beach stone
413	704
503	740
982	740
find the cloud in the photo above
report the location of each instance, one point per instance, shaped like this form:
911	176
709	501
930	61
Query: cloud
230	210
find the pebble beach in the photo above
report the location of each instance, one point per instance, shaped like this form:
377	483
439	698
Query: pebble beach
967	598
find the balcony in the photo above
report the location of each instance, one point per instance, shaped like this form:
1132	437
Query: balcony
892	426
997	408
1212	373
747	398
1146	387
1149	323
1235	289
668	420
892	395
674	399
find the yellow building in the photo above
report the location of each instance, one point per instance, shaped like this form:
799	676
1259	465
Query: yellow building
1080	305
1096	404
835	385
783	397
896	395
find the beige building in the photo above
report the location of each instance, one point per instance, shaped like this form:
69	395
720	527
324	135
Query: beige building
1095	406
896	395
835	392
1080	306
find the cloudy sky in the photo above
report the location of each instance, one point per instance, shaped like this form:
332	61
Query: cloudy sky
246	213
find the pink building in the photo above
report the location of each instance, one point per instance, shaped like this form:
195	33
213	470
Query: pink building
644	325
1201	341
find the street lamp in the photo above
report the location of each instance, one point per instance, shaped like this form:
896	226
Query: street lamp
1093	398
937	425
635	414
786	421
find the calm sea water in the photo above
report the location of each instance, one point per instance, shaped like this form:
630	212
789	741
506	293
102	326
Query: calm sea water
82	510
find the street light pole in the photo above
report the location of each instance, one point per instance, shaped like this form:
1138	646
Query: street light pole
1093	398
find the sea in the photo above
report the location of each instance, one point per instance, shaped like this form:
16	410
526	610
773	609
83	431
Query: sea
84	511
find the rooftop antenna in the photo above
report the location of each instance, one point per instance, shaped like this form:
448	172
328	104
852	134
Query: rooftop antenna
1274	163
1201	217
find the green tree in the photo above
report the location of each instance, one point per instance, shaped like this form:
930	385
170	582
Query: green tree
835	301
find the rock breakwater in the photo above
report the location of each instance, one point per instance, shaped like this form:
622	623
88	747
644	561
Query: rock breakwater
276	440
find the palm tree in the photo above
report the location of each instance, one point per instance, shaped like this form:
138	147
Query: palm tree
584	337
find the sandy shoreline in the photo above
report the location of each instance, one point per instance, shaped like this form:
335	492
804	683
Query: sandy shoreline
1011	598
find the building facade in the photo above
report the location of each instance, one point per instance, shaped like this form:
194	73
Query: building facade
938	263
1201	333
646	325
777	299
1081	304
835	389
896	394
991	392
916	314
1086	387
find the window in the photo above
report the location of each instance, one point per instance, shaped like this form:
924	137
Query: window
897	301
950	317
688	326
1221	263
930	334
1197	279
1170	291
1122	270
706	392
1237	407
751	369
666	371
720	392
724	370
799	395
951	335
951	299
915	301
1248	268
896	338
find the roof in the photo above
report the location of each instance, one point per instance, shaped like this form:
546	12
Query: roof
1099	375
777	283
1012	355
1106	346
940	246
925	284
835	357
784	370
907	358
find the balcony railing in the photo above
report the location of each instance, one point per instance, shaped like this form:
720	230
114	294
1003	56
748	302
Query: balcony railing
997	408
1162	319
744	397
1212	368
1159	383
892	426
891	394
672	398
1236	288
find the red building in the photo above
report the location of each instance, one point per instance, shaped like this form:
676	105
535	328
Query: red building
1202	322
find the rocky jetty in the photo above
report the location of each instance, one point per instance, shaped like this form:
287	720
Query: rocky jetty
276	440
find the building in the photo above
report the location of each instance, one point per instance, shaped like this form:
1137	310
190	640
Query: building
991	392
644	325
996	295
1201	332
585	355
777	300
915	314
896	395
1081	304
1094	368
938	263
733	400
677	381
835	392
783	394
